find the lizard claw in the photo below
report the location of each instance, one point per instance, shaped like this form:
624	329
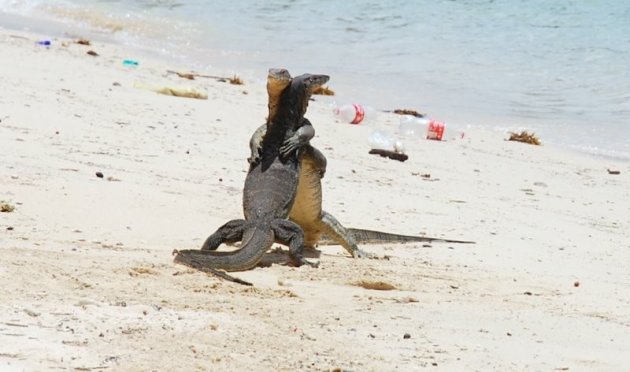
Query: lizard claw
288	147
303	261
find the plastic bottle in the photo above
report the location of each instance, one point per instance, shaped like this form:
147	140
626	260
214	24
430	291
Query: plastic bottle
383	140
435	131
411	126
354	113
380	139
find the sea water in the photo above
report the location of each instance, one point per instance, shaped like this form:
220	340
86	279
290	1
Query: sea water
557	68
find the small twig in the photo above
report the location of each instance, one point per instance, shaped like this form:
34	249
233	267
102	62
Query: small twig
19	37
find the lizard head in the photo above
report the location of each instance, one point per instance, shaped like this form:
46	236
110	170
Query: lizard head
278	79
302	88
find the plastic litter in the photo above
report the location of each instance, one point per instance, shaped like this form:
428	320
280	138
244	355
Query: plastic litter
435	131
354	113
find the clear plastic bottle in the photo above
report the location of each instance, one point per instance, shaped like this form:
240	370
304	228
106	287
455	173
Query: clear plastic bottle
380	139
383	140
354	113
411	126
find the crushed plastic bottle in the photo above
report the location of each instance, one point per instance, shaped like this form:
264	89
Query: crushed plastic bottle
354	113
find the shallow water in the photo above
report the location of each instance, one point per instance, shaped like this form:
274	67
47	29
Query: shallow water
558	68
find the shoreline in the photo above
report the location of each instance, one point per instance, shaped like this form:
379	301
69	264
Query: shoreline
573	137
88	276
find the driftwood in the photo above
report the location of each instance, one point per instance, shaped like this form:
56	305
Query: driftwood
235	80
389	154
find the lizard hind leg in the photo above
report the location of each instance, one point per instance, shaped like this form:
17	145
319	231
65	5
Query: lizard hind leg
335	231
231	232
291	234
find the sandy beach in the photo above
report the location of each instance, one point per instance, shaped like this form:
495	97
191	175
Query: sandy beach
87	277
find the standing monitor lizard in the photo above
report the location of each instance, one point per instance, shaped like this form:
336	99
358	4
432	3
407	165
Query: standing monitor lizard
270	186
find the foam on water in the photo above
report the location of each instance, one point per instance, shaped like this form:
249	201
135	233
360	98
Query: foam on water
556	67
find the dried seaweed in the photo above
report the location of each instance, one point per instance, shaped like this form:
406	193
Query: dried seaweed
235	80
324	91
524	137
408	112
6	207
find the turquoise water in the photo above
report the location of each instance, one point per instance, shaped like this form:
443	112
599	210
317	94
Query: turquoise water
559	68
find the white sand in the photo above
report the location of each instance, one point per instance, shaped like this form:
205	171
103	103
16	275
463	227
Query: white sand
86	273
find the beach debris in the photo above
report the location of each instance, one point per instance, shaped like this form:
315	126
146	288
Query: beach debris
44	42
381	139
610	171
423	175
576	284
234	80
284	282
525	137
376	285
406	300
92	53
187	92
389	154
30	312
130	62
6	207
435	130
408	112
354	113
324	91
19	37
136	271
406	336
99	174
184	75
83	42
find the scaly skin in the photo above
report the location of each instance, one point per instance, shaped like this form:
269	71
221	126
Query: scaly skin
270	185
321	227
